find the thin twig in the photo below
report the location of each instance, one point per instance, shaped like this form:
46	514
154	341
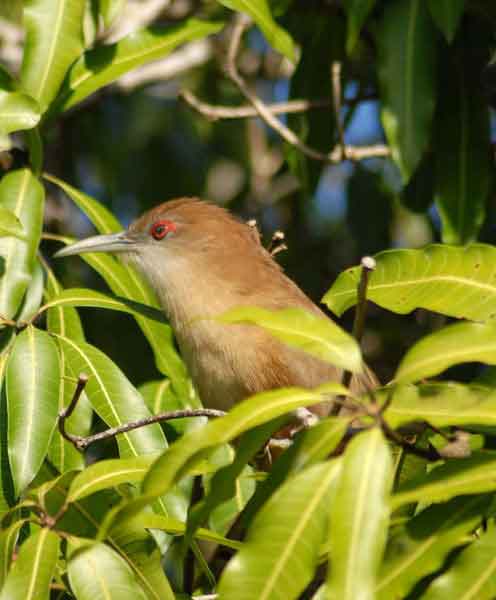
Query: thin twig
81	443
215	112
337	99
240	25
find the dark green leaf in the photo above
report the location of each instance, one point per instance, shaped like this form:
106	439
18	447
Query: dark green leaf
458	282
32	383
21	193
54	39
407	62
359	517
32	572
447	15
358	11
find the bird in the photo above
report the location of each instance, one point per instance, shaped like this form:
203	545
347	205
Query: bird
201	261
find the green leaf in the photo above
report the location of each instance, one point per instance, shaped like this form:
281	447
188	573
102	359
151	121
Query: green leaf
281	550
54	39
32	383
90	298
22	194
249	413
33	296
441	405
458	282
109	473
420	546
447	15
113	397
471	576
8	540
96	572
407	68
462	145
316	335
17	111
125	281
110	9
32	572
65	321
440	350
359	517
472	475
10	224
103	65
357	11
259	11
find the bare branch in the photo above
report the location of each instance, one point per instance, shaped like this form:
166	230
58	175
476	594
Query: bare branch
337	99
241	23
81	443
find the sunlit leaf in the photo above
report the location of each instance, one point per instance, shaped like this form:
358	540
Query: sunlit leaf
17	111
447	15
33	296
458	282
104	64
472	575
420	546
407	67
440	350
259	11
54	39
31	574
441	404
21	193
109	473
10	224
32	383
359	517
472	475
110	9
281	549
316	335
96	572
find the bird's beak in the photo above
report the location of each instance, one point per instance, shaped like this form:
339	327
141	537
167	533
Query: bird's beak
114	242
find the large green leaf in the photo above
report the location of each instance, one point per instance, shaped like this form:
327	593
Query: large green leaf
8	541
280	553
10	224
103	65
64	320
181	455
472	575
32	383
472	475
316	335
259	11
32	572
407	67
109	473
447	15
458	282
125	281
420	546
90	298
358	11
359	517
440	350
96	572
441	405
113	397
54	39
22	194
463	148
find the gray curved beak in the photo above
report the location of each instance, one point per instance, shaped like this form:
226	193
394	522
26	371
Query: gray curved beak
114	242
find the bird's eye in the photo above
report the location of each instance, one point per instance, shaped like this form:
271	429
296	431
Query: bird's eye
161	228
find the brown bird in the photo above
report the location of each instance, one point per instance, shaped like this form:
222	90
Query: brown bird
201	261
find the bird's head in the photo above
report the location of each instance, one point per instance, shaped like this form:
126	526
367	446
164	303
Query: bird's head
189	250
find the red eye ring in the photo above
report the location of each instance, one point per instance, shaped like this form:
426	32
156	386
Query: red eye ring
162	228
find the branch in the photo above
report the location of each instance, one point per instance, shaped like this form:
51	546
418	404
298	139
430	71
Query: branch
241	23
81	443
